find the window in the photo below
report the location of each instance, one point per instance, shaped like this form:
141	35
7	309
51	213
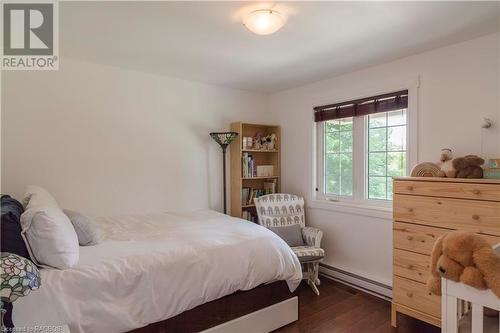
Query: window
362	144
338	157
386	152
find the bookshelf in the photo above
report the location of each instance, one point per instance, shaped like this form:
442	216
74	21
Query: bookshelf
246	178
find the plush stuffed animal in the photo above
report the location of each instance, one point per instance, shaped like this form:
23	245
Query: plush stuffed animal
468	166
446	164
465	257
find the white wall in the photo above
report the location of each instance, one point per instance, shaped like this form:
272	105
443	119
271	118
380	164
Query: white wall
458	86
106	140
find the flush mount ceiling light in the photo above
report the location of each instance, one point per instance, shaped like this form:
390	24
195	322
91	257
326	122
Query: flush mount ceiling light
264	21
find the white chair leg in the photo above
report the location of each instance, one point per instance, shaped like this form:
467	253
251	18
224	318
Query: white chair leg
313	286
316	273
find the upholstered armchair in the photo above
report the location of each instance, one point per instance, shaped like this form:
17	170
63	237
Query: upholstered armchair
282	211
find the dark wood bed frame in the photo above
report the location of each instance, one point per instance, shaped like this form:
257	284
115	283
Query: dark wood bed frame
222	310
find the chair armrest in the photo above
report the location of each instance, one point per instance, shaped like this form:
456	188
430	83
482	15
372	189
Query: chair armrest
312	236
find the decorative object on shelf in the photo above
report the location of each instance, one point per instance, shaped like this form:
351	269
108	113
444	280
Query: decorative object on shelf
446	164
224	139
247	142
265	170
492	169
493	163
19	276
271	142
425	169
257	141
468	166
267	142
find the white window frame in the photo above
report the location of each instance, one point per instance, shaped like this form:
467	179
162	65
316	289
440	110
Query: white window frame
359	200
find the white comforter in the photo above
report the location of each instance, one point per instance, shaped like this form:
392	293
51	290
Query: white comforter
152	267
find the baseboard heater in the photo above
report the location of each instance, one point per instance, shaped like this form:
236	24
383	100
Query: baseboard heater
355	281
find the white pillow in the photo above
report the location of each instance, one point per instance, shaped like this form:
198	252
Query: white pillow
50	237
36	196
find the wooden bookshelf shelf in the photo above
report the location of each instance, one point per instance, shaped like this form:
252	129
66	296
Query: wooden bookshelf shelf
252	178
259	151
247	206
259	157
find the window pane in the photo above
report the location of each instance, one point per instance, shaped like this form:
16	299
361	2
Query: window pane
346	124
396	117
376	164
346	141
338	167
346	174
377	120
396	138
332	143
396	164
377	188
332	125
332	173
386	152
377	139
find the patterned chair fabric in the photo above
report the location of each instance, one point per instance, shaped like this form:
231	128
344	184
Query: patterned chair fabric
308	253
281	210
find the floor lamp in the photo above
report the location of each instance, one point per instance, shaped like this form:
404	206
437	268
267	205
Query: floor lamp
224	139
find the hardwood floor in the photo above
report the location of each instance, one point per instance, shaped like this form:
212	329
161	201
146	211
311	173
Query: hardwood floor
341	309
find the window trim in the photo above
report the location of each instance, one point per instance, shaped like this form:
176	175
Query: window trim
359	203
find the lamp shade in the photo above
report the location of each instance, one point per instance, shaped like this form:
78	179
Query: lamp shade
223	138
19	276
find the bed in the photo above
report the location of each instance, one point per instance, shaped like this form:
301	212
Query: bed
150	268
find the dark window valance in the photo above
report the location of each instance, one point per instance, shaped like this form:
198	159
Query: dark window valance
363	106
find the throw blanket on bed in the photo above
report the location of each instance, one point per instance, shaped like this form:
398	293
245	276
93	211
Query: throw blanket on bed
152	267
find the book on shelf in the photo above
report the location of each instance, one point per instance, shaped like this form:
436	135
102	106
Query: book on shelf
248	194
270	187
248	215
248	166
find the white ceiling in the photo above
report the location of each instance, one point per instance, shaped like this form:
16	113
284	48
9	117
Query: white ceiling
206	42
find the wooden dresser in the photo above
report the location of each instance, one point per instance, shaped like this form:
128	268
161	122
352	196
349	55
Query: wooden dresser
424	209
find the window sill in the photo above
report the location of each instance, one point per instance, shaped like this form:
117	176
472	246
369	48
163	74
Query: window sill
352	208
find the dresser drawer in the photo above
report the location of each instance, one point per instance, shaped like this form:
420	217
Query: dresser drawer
415	238
449	190
411	265
471	215
420	238
415	295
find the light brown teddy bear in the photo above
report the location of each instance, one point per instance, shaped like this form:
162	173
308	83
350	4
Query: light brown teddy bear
465	257
468	166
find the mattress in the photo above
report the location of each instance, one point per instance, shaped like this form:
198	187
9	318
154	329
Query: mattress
152	267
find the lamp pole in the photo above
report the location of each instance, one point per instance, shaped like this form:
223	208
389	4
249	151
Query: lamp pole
224	176
224	139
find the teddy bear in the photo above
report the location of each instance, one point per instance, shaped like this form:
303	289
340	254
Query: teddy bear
465	257
468	166
271	141
446	164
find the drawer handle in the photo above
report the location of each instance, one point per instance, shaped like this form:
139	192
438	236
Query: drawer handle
476	192
409	294
410	266
410	210
475	217
409	188
409	238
